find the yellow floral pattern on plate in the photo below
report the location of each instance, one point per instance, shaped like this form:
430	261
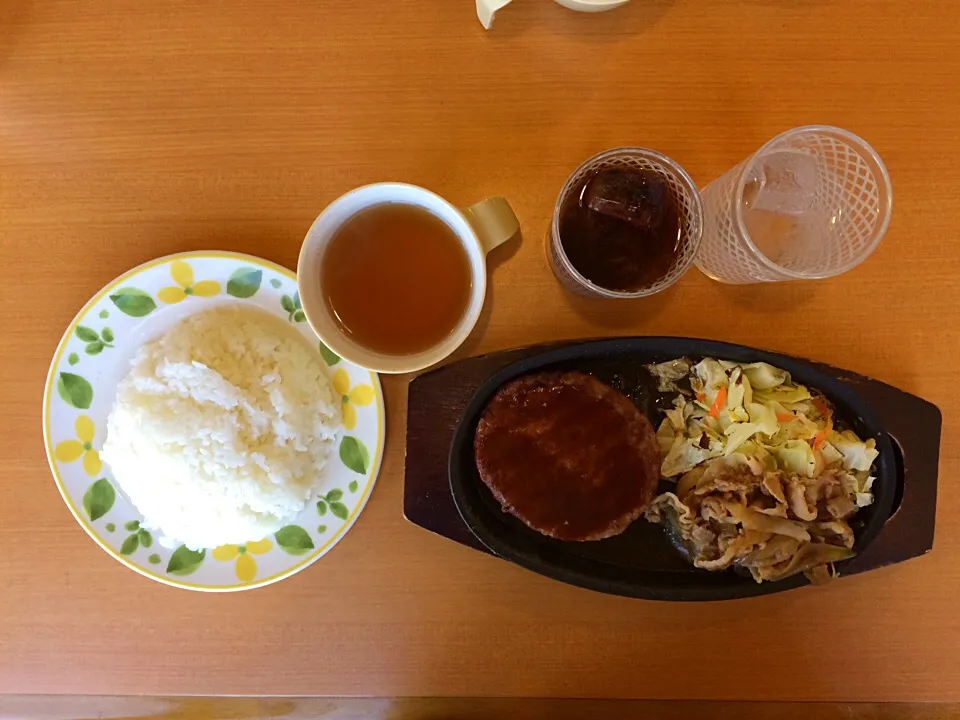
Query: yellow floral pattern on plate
71	450
350	398
182	275
246	566
73	424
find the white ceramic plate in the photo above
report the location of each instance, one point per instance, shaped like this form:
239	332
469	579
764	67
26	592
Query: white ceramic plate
95	353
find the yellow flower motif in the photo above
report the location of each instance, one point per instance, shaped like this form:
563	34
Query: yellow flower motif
359	395
70	450
246	567
182	275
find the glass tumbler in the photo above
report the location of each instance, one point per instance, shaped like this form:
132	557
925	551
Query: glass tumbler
686	200
812	203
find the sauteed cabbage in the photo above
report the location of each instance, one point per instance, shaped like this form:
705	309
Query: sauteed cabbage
765	480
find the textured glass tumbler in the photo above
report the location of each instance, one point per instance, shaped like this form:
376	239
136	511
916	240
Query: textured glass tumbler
813	202
687	201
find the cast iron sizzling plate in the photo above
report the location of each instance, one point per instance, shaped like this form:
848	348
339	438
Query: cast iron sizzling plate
642	562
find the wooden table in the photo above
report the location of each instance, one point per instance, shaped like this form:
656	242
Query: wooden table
129	130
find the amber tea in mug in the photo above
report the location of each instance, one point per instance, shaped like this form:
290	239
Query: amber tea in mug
392	277
396	278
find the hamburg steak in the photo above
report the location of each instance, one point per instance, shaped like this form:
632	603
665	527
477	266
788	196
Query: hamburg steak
568	455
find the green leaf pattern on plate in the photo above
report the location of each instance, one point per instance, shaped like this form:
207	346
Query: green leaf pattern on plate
354	454
244	282
184	561
138	538
86	334
95	342
75	391
133	302
329	356
293	308
73	358
98	499
130	545
331	502
294	540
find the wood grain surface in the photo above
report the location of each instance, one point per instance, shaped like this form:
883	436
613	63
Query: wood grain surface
131	129
77	707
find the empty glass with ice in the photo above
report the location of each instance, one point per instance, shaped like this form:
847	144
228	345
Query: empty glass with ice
812	203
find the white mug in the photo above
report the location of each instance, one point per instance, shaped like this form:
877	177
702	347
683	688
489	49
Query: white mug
480	228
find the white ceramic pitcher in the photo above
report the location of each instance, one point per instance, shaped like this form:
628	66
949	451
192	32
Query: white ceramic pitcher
487	9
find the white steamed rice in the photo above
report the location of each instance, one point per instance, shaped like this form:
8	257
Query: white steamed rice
220	431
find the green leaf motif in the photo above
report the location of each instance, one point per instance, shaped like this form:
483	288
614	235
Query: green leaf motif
154	559
276	283
94	348
184	560
133	302
86	334
322	529
104	314
329	356
146	539
98	499
73	358
299	316
75	391
132	525
130	545
334	495
321	508
353	486
296	300
244	282
110	527
340	510
107	334
294	539
286	302
354	455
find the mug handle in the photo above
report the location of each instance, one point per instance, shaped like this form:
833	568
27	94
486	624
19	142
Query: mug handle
494	222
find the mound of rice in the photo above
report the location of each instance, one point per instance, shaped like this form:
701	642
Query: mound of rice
220	431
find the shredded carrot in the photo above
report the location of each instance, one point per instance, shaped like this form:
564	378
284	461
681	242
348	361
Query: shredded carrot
701	397
821	437
786	417
821	407
718	403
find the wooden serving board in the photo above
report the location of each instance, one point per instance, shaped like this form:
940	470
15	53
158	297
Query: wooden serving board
437	399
